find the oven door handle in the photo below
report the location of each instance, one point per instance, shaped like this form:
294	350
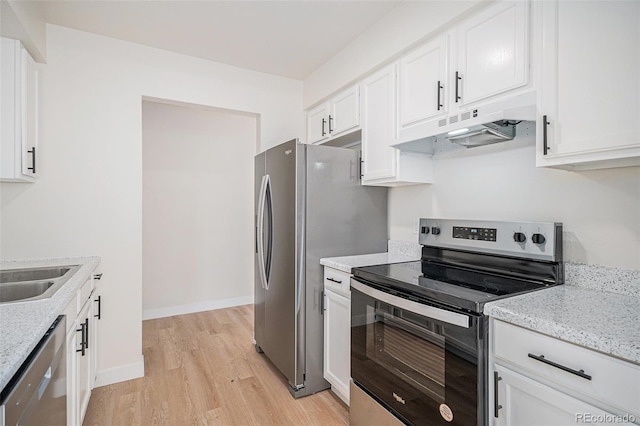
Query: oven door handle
449	317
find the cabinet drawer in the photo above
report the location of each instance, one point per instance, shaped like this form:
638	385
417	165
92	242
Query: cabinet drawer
337	281
612	381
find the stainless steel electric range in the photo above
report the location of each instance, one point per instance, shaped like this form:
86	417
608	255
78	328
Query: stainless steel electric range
418	335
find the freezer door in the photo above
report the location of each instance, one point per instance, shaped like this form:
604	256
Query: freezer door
279	339
259	291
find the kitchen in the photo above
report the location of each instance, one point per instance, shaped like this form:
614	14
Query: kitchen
89	199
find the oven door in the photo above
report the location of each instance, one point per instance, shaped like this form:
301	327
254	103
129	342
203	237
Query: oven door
422	362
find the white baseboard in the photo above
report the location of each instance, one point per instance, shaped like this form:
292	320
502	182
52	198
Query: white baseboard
190	308
120	374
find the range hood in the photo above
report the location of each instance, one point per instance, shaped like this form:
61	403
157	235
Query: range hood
484	124
483	134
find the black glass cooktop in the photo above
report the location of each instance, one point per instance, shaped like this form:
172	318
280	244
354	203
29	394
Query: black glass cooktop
456	287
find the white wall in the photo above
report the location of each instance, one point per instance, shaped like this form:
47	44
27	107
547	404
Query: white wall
197	211
599	209
407	24
89	198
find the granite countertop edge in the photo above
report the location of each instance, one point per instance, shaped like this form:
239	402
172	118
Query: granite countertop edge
579	316
347	263
22	324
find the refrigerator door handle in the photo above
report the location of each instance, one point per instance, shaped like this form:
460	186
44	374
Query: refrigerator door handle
260	230
269	207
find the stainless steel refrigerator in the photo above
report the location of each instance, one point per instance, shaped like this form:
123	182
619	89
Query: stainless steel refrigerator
309	204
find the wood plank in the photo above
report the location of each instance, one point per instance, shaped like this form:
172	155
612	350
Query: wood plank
202	369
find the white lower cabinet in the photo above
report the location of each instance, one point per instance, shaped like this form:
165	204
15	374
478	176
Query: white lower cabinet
527	402
536	379
82	327
337	331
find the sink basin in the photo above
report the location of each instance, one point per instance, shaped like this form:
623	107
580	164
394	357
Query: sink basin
32	274
11	292
28	284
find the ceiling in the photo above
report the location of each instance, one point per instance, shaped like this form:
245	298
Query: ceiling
286	38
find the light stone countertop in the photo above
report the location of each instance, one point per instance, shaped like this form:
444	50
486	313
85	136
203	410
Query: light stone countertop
22	324
604	318
399	251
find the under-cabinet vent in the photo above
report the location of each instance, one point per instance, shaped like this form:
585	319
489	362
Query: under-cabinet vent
465	116
453	119
442	122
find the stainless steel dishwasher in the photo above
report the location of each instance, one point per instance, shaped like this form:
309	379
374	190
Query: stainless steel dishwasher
37	394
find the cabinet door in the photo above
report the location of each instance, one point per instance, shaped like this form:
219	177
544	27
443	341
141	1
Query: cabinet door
29	113
526	402
378	125
591	80
345	111
94	324
318	124
337	343
73	339
83	364
422	78
493	53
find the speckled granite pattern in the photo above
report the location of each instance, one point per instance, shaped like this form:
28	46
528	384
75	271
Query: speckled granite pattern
399	251
603	278
405	248
22	325
606	322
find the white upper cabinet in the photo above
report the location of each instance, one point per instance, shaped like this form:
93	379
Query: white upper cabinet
589	97
344	111
378	125
423	83
317	125
477	72
336	117
492	53
383	165
19	113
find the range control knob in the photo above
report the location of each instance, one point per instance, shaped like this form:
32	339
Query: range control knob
435	230
519	237
538	239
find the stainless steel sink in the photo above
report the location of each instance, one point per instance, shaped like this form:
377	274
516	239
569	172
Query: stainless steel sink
21	285
32	274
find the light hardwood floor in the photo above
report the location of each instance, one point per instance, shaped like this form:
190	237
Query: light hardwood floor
202	369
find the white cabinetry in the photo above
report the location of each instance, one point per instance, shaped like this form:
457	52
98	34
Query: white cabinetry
423	83
19	113
478	72
82	316
381	164
337	331
589	97
492	53
528	402
335	117
543	380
